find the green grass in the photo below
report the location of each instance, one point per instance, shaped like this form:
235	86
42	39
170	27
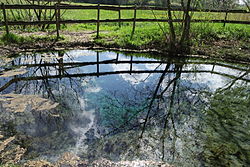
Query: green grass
17	39
142	37
151	35
146	34
210	31
12	38
92	14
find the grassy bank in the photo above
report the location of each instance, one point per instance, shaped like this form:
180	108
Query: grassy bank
9	39
205	38
231	41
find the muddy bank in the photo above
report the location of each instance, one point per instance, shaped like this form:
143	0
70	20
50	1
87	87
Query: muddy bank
230	50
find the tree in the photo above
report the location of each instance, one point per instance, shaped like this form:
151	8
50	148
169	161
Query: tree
219	4
227	124
33	14
181	45
247	3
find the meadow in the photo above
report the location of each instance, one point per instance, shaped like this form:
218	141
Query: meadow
146	33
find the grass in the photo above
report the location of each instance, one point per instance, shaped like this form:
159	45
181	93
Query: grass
216	31
126	14
152	36
142	36
17	39
146	34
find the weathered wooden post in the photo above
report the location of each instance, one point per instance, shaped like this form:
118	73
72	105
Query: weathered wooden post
224	25
213	68
97	63
57	12
131	64
117	57
133	30
5	19
98	22
119	16
60	64
59	15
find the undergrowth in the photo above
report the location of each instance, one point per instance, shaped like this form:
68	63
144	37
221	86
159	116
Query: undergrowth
209	31
18	39
152	35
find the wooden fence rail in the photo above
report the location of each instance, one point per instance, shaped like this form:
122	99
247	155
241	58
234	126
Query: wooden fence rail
58	21
13	23
115	8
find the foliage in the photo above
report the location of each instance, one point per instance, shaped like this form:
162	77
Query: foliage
219	4
204	3
147	35
18	39
227	125
209	31
151	36
12	38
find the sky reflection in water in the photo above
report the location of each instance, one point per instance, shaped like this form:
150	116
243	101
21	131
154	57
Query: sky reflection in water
123	107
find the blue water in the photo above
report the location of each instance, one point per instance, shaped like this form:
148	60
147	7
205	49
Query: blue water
124	106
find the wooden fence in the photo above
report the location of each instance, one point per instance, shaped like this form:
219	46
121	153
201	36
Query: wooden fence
58	21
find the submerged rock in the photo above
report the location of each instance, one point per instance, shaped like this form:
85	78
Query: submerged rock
39	163
135	163
20	103
4	144
71	160
14	72
10	153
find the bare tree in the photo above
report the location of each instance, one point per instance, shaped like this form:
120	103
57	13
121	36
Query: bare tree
180	44
247	3
171	27
34	14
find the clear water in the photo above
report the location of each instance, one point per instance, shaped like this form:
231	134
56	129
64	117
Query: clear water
120	106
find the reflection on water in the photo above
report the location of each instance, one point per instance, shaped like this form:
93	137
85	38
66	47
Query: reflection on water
190	112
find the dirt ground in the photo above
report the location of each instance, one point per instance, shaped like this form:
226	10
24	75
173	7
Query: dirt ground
236	51
80	39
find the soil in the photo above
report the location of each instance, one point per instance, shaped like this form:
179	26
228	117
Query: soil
230	50
72	40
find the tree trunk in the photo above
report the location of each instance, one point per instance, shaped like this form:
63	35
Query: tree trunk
171	27
247	5
184	42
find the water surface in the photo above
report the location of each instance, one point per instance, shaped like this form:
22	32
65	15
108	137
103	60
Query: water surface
120	106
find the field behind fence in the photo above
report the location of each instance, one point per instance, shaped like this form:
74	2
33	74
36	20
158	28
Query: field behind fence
100	14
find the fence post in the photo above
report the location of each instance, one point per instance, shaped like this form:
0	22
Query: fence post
224	25
98	21
131	64
119	16
5	19
57	12
60	64
117	57
97	63
133	30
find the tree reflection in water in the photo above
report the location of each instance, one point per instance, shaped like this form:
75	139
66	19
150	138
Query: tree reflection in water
188	112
